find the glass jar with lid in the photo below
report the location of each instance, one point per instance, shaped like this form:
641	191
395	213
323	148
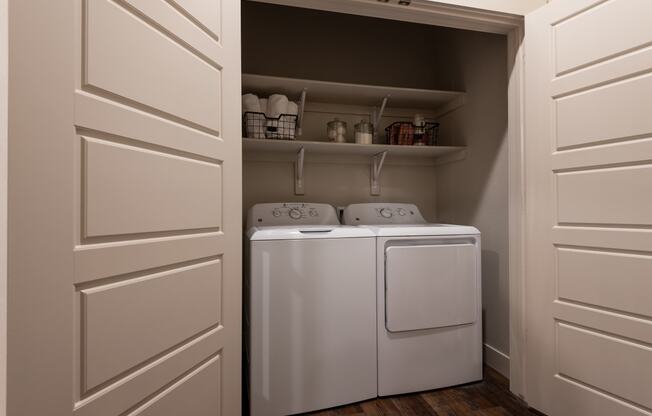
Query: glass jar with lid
336	131
419	130
364	132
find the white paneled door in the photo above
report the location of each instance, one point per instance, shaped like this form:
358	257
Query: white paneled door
124	208
589	207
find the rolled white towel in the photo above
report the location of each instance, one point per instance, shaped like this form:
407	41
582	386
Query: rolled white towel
262	103
293	108
272	129
258	121
288	127
255	123
277	104
250	102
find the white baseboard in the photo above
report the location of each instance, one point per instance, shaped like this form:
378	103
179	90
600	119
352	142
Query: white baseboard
496	359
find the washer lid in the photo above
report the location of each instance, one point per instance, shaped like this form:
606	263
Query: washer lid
307	232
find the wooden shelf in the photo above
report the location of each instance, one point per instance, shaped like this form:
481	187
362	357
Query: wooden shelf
376	155
291	147
376	98
351	94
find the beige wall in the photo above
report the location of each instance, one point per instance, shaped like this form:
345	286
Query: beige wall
312	44
349	48
339	184
474	191
347	53
520	7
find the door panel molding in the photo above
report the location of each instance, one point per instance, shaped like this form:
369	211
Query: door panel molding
118	397
157	311
123	186
620	361
617	322
177	23
154	73
98	114
616	237
620	152
611	196
571	34
200	390
208	17
608	112
106	260
586	276
582	398
629	65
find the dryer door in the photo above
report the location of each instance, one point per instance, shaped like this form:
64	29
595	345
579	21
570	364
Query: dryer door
430	286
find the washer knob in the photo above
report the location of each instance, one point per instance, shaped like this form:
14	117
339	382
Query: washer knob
276	212
295	214
386	213
401	212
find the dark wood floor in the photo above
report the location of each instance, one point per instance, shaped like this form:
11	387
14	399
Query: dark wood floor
491	397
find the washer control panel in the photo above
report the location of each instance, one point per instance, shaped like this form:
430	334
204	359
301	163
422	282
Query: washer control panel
295	212
382	213
291	213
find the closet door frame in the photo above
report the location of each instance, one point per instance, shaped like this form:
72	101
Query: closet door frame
459	17
4	169
433	14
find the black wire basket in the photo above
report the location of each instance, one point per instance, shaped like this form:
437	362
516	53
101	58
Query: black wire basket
408	134
259	126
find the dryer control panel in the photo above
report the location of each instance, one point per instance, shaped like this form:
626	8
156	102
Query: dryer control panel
291	213
382	213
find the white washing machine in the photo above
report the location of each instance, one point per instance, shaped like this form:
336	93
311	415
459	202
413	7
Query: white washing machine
428	298
310	310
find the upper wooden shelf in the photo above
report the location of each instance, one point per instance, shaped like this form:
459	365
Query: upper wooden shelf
352	94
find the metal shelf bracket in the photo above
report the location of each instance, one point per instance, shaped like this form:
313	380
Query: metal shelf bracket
298	172
376	169
302	107
378	115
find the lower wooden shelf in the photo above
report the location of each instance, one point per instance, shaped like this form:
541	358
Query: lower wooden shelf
338	150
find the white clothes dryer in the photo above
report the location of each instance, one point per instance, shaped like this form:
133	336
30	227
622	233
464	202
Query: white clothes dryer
310	310
428	298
